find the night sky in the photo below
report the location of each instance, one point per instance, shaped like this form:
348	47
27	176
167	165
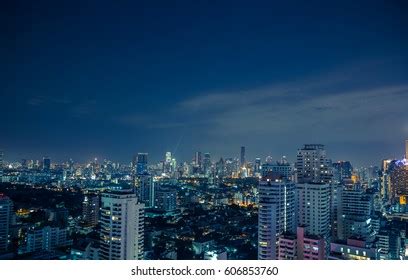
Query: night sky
85	79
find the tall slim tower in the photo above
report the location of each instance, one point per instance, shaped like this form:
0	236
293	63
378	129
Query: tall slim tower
141	164
276	215
90	209
122	226
6	210
46	164
243	160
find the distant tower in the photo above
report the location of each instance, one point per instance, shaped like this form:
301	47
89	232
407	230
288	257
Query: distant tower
243	156
198	159
46	164
141	164
122	226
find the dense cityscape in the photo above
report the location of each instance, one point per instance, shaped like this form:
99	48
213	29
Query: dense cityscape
315	208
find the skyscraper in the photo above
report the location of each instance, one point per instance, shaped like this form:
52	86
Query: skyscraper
141	164
145	191
122	226
313	201
6	210
243	160
312	165
166	199
276	214
353	213
206	163
46	164
90	209
197	159
342	170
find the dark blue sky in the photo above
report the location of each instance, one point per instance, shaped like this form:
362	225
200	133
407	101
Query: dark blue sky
110	78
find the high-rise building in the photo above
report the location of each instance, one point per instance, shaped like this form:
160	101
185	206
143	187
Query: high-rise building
312	165
242	158
398	188
284	169
207	163
276	214
197	159
122	226
145	191
90	210
46	164
313	201
354	213
342	170
257	167
6	212
166	199
141	164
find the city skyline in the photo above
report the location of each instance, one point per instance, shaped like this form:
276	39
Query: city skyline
109	80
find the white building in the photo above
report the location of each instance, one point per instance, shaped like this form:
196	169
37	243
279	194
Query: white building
122	226
312	165
276	215
313	201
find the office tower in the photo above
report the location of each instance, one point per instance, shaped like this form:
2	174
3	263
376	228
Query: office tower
144	187
197	159
385	179
284	169
354	213
122	226
312	165
166	199
313	201
220	168
342	170
398	188
46	239
168	157
207	163
6	212
300	246
141	164
46	164
257	167
242	159
276	214
90	210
